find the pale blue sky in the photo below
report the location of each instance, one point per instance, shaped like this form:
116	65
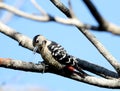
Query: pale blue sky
68	36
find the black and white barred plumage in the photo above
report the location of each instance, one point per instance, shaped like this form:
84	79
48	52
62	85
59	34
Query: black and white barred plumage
60	54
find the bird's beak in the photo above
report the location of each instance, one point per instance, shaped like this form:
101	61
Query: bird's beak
35	49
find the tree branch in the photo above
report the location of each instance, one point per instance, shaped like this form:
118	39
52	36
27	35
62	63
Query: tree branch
71	9
95	12
8	16
47	18
23	41
62	7
23	14
31	67
110	27
21	65
103	24
38	7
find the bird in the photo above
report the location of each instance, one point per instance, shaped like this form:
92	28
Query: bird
52	51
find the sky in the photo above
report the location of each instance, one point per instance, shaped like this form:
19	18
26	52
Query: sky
73	41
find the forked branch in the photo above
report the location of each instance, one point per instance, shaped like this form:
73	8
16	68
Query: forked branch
104	25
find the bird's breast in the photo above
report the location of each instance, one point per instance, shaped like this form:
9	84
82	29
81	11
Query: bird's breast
46	55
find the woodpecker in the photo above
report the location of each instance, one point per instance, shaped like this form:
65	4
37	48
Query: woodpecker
56	52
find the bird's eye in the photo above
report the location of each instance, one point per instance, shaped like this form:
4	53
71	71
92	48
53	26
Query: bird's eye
37	41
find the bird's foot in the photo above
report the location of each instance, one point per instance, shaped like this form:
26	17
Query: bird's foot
45	66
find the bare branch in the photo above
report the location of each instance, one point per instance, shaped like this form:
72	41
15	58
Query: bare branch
36	17
62	7
95	12
100	82
20	65
43	12
58	19
23	14
103	24
31	67
110	27
24	41
71	9
7	17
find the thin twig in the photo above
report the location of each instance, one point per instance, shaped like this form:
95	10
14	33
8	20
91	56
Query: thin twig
36	17
43	12
23	14
8	16
71	9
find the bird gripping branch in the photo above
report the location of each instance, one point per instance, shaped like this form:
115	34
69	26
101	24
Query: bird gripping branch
55	55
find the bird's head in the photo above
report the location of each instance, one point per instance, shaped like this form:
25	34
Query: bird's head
38	42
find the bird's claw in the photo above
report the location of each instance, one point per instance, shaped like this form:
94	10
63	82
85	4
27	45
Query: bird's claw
43	64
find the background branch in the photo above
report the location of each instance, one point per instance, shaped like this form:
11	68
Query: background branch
43	12
8	16
45	18
108	26
103	24
95	13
